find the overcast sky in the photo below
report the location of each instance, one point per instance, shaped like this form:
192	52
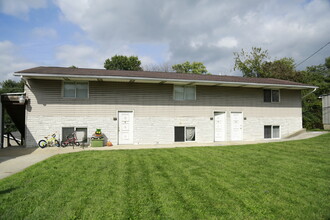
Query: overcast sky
86	32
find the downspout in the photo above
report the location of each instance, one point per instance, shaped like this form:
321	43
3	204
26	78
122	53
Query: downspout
310	92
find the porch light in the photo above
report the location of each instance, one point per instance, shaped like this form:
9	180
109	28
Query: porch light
21	99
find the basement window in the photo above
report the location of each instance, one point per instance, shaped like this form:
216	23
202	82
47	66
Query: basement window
75	90
80	132
271	95
182	134
271	131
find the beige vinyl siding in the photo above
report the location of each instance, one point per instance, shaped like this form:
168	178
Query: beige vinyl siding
148	100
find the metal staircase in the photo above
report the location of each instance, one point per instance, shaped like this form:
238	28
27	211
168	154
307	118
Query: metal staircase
14	104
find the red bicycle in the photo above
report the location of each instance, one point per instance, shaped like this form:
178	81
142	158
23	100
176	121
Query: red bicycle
70	140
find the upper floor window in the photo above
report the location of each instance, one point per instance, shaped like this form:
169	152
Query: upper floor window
271	95
184	92
75	90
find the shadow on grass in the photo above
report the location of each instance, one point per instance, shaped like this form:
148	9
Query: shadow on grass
2	192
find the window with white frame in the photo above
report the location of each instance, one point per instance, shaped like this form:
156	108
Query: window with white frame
184	93
190	134
75	90
271	95
81	133
271	131
182	134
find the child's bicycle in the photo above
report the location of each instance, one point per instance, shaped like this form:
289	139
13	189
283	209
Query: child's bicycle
49	141
71	140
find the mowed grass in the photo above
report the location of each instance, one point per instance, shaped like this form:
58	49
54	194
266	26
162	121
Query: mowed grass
288	180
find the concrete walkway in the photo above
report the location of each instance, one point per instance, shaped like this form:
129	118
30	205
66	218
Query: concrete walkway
16	159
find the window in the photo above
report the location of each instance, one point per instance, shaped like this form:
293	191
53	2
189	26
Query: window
179	134
184	93
182	134
271	131
75	90
66	132
275	95
276	131
80	132
190	134
178	92
271	95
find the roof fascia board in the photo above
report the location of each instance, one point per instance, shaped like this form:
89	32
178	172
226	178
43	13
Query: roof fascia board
14	93
162	79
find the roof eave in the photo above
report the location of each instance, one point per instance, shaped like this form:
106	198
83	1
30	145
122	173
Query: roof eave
172	81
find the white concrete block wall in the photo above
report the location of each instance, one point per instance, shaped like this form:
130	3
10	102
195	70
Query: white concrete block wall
160	130
254	126
39	127
156	130
150	130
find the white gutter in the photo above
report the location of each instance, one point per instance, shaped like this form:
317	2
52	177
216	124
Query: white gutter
310	92
162	79
14	93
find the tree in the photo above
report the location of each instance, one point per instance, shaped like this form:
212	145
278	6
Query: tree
319	76
251	64
187	67
283	68
10	86
312	112
165	67
327	63
257	64
312	107
120	62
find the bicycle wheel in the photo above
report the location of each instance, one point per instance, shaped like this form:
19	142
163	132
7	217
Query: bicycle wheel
42	143
56	143
64	144
77	143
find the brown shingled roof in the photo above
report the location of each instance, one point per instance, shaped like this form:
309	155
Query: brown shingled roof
81	72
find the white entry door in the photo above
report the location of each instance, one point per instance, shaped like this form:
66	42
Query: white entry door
236	126
219	126
125	127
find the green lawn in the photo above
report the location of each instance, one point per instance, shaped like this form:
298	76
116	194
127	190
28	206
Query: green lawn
288	180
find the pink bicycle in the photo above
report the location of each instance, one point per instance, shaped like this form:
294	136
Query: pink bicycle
70	140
